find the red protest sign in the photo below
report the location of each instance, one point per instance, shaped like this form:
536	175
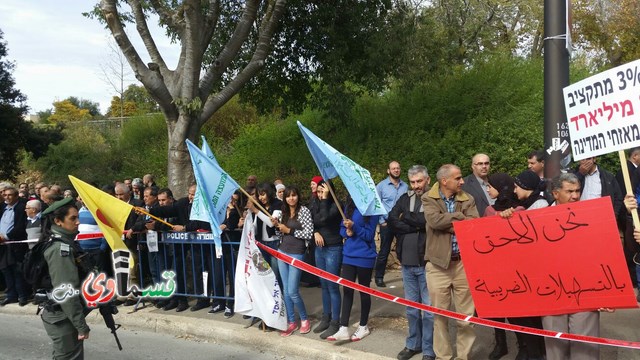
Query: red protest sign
557	260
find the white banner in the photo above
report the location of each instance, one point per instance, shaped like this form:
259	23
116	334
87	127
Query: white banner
603	111
257	292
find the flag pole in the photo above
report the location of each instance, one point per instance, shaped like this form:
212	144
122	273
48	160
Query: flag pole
142	211
255	201
335	199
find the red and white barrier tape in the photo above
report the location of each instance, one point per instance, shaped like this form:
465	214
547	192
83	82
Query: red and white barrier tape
79	237
447	313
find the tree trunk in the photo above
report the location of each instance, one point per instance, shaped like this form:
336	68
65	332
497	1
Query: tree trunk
179	170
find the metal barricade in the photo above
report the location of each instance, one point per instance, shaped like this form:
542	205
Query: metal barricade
190	255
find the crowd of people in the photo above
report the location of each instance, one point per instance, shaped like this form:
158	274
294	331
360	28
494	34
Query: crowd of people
334	236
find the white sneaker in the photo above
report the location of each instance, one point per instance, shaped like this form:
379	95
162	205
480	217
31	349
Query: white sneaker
360	333
342	334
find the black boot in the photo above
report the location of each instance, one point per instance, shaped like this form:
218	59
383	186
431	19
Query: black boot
323	325
333	328
500	349
522	353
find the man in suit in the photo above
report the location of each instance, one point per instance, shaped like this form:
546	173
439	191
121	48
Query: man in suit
477	183
181	210
13	223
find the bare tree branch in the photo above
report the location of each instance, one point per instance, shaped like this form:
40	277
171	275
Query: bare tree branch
147	39
210	23
193	53
152	80
263	48
231	50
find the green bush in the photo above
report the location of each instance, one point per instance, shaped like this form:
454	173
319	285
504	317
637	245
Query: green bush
84	153
142	148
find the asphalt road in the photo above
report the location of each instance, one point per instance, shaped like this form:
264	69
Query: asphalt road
23	338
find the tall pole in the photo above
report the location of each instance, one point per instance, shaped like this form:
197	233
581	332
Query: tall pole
556	77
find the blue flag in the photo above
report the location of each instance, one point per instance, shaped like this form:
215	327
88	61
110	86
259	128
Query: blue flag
216	190
207	151
199	209
356	179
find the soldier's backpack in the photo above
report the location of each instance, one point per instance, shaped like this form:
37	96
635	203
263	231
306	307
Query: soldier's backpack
34	266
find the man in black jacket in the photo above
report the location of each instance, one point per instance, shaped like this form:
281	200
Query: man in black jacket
631	247
123	193
597	182
13	223
408	223
201	255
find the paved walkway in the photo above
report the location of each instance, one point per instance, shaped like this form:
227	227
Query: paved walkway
387	323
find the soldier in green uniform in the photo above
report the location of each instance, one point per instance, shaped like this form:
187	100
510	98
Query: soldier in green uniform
64	322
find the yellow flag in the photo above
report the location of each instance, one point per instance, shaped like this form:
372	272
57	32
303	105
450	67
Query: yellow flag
110	213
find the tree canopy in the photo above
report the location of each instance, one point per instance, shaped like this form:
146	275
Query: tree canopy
327	48
18	134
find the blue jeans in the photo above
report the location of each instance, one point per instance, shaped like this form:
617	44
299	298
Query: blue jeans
16	289
156	265
329	259
420	326
291	288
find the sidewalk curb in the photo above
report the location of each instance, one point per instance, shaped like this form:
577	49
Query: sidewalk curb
217	331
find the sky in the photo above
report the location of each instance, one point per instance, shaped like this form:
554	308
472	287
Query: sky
59	53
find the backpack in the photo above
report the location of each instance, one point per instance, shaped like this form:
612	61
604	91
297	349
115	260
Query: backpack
34	266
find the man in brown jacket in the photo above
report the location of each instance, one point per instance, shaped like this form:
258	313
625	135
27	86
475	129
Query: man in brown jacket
445	203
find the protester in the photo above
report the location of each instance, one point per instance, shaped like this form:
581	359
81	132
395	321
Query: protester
180	209
501	189
165	253
308	279
529	190
142	226
252	181
625	223
148	180
476	184
407	221
34	223
444	204
13	223
137	186
98	248
127	182
234	220
265	228
23	194
326	234
296	229
358	259
280	191
535	162
131	241
566	189
389	190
